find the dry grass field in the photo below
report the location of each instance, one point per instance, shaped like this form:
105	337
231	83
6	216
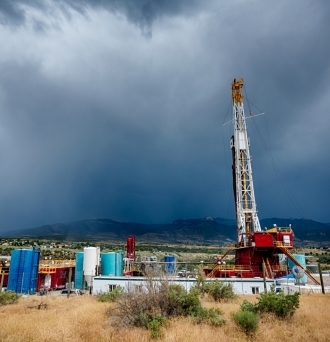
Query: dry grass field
85	319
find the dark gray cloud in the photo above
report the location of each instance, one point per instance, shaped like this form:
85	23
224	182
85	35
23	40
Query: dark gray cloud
140	12
99	122
11	13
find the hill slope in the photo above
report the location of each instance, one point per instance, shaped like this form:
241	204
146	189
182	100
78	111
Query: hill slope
190	231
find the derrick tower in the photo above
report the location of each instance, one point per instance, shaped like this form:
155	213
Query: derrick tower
246	209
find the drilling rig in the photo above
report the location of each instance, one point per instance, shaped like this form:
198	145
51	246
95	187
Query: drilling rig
256	251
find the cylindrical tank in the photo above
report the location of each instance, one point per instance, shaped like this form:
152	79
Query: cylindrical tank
169	264
79	272
302	261
23	271
130	247
91	261
119	264
35	269
108	264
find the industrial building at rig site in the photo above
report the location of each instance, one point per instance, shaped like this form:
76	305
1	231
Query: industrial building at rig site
102	272
96	273
25	273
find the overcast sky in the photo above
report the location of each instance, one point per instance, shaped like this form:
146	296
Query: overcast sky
115	109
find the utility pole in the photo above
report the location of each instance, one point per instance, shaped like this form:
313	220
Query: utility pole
321	278
69	281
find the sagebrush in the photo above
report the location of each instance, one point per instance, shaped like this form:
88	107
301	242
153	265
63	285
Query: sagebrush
154	302
270	302
278	303
247	321
220	291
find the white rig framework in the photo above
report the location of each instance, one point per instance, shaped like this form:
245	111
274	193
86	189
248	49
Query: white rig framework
246	208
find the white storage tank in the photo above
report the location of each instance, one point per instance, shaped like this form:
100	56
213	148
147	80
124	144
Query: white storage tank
91	263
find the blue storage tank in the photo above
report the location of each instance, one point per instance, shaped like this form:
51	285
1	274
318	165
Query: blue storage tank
169	261
108	263
119	264
79	272
302	261
23	271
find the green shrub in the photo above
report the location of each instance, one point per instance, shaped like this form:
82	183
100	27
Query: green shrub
180	302
247	306
247	321
154	325
8	297
157	301
219	291
110	296
278	303
211	316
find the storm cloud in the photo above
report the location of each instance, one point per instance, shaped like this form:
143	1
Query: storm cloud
116	109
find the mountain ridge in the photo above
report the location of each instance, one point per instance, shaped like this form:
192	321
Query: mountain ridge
188	231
